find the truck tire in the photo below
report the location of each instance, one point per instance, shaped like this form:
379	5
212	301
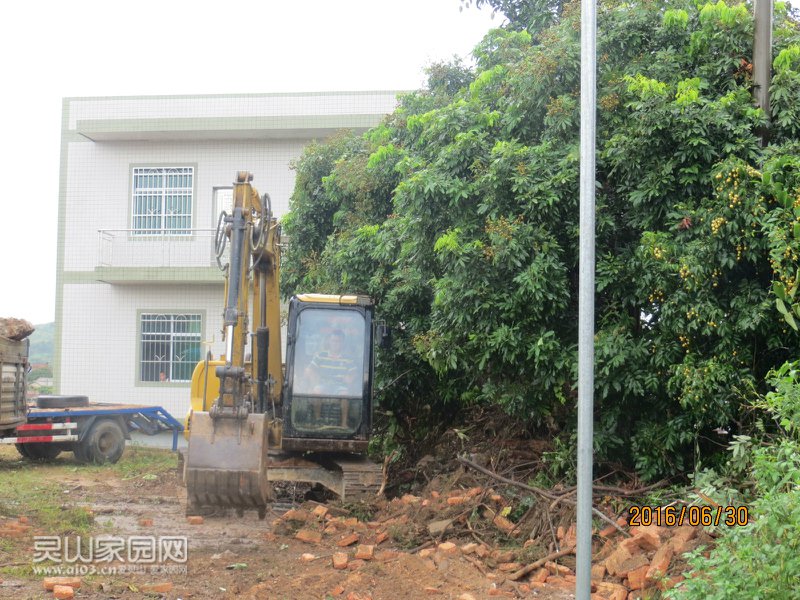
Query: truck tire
81	452
61	401
105	442
39	450
23	450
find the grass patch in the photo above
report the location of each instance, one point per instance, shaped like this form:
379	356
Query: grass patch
140	462
36	489
17	572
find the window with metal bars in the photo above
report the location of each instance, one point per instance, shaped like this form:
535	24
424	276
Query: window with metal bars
162	200
170	346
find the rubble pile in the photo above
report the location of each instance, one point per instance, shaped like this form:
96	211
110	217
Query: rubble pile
629	563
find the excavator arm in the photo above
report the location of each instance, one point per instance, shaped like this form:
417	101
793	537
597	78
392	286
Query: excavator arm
227	455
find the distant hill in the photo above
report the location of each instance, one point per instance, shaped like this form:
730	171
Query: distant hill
42	344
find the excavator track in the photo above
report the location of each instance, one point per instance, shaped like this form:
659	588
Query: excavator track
361	477
349	477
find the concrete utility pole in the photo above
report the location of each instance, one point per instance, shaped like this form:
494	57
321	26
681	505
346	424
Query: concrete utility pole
762	55
586	290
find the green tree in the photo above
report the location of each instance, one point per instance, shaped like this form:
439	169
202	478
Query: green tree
459	215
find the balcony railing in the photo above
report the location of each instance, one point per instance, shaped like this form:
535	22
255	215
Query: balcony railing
131	248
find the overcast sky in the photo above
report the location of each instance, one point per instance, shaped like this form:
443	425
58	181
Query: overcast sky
87	48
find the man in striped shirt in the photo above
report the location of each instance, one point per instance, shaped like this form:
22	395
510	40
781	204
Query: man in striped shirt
333	374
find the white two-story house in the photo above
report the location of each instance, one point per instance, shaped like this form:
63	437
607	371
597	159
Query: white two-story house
143	179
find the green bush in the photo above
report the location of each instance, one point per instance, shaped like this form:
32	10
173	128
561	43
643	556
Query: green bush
762	559
459	215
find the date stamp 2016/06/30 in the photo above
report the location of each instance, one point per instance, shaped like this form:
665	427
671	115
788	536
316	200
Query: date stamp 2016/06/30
675	516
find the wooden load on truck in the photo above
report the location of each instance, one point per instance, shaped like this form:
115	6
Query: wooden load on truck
14	365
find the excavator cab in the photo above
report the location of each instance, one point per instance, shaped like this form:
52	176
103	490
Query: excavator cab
327	395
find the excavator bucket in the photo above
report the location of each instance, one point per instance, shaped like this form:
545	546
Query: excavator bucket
226	464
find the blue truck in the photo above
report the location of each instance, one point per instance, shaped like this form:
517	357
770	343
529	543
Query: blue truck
94	432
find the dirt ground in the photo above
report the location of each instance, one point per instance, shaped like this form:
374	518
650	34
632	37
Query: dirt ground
228	556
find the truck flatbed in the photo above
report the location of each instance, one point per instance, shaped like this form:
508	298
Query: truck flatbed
148	419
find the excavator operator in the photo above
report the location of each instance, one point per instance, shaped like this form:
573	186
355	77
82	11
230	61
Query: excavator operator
333	374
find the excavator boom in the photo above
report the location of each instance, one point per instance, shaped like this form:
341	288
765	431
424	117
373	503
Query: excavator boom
227	456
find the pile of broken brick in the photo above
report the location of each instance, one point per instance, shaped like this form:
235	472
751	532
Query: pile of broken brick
629	563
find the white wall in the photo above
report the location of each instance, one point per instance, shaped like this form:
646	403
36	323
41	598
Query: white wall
100	337
98	187
256	105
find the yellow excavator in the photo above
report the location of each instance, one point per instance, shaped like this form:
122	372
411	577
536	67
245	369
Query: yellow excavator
252	421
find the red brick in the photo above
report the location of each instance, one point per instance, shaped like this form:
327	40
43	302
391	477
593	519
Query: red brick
456	500
557	569
616	558
632	545
365	552
598	572
348	540
410	499
506	526
671	582
194	520
432	591
156	588
50	582
22	519
63	592
320	511
612	591
355	564
447	547
540	576
649	541
659	564
469	548
381	537
309	536
680	541
621	562
560	582
508	567
570	538
503	555
472	492
337	591
296	514
637	578
339	560
608	531
145	522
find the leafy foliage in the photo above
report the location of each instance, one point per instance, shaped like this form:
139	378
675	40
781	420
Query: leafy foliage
762	559
459	216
